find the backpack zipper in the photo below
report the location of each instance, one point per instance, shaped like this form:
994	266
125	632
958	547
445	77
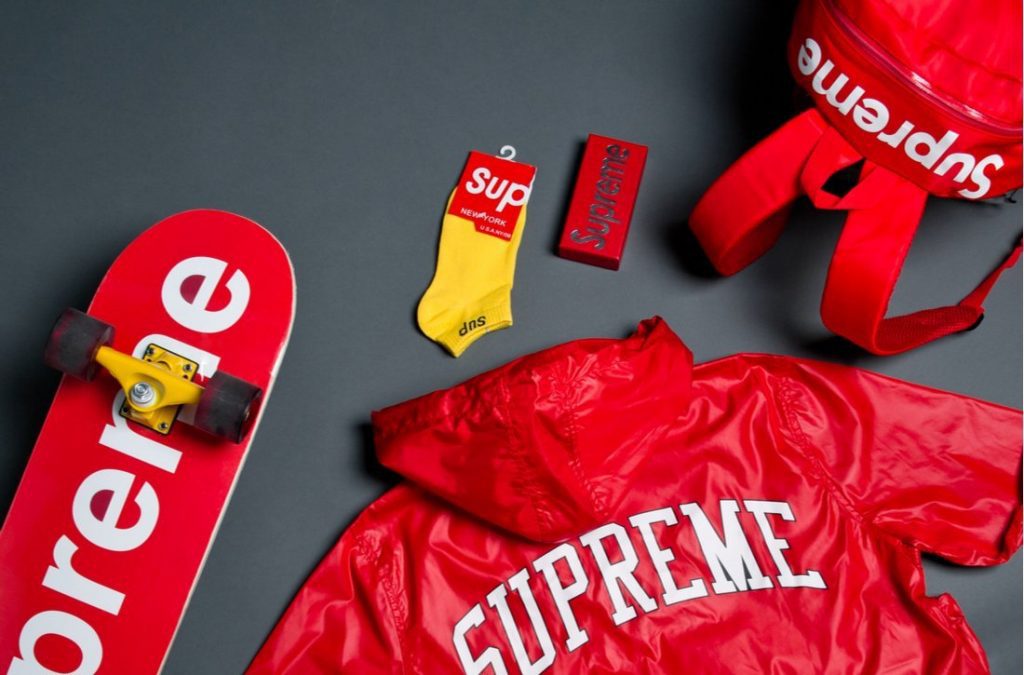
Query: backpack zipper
912	80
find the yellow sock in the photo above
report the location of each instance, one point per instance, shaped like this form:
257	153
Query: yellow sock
471	292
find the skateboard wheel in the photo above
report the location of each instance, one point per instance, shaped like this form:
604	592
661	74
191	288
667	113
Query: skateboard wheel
226	406
73	343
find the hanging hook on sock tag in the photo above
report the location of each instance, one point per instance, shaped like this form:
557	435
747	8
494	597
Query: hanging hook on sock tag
507	152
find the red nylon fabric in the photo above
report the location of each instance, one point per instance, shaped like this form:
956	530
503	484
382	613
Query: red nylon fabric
863	275
928	94
743	212
601	507
937	65
964	54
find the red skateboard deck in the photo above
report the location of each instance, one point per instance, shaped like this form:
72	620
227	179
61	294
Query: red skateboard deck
112	521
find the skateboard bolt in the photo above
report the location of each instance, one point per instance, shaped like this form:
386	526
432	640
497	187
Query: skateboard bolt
142	393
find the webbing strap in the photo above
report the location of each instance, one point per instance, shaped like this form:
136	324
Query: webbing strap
863	275
744	211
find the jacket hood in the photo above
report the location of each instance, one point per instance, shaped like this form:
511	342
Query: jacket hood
517	446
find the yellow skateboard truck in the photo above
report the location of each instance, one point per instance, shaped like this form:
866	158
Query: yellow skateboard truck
156	385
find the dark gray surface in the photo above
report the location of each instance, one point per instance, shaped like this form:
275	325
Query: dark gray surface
342	128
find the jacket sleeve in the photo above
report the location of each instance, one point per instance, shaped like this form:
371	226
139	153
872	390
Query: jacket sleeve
341	620
939	471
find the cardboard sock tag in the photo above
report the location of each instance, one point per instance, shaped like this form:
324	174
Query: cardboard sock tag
491	192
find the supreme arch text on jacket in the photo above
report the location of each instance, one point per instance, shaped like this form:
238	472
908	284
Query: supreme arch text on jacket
604	507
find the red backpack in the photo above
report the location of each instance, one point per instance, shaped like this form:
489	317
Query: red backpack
928	94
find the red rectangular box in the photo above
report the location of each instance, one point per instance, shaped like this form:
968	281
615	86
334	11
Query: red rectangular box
602	202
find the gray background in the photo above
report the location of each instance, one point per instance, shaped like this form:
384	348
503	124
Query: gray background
342	127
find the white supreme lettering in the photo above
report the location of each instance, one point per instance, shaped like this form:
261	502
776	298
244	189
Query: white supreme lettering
490	658
99	502
103	531
505	192
620	572
563	595
67	626
120	437
498	600
872	116
729	558
65	579
777	545
194	313
661	557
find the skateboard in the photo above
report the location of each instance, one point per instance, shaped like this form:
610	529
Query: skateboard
166	376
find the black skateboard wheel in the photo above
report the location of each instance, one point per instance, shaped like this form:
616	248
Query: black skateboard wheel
226	406
73	343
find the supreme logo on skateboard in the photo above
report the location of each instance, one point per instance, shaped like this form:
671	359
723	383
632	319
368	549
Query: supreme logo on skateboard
168	373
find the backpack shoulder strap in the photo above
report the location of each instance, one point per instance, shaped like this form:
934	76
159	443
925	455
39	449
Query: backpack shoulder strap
866	266
743	212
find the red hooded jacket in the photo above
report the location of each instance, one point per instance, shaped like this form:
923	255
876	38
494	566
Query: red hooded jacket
603	507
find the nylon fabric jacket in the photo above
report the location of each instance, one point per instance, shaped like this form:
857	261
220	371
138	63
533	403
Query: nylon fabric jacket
604	507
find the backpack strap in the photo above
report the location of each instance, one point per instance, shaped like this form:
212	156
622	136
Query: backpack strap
884	212
866	266
743	212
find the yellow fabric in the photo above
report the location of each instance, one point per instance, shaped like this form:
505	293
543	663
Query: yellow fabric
471	293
